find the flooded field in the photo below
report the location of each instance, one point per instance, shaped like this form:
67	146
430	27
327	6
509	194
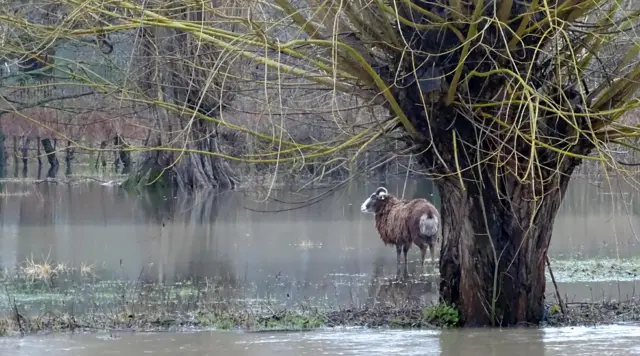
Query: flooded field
327	252
81	245
611	340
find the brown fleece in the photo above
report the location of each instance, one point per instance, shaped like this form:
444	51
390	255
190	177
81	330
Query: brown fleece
398	221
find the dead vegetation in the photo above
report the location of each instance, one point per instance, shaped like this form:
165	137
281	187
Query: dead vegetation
45	296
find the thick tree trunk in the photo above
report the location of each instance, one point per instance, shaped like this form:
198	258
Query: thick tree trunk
509	227
189	171
172	82
500	193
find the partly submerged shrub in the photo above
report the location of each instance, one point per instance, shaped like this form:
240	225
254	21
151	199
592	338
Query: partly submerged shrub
441	315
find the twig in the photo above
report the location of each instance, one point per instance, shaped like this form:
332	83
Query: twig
555	285
15	309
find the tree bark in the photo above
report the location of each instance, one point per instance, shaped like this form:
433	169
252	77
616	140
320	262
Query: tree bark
25	155
169	82
38	151
49	150
124	156
102	156
492	261
16	157
3	155
190	171
499	191
51	156
69	156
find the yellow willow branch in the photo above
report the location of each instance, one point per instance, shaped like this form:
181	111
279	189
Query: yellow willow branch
196	29
385	90
473	30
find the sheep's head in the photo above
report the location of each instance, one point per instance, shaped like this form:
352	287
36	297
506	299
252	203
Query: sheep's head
374	201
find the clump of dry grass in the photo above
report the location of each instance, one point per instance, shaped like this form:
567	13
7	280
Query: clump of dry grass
46	271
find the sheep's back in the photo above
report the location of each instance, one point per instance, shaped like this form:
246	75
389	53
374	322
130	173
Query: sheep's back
415	209
398	222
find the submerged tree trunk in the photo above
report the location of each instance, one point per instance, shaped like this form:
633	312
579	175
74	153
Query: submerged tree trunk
501	168
102	156
25	155
124	156
3	155
69	156
49	150
182	133
496	225
16	157
51	156
187	170
485	228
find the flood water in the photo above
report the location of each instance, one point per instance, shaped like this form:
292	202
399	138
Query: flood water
610	340
327	252
319	251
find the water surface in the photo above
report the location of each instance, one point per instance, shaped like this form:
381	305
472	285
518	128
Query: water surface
609	340
326	251
323	253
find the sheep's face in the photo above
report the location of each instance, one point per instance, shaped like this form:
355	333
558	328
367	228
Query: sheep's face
371	204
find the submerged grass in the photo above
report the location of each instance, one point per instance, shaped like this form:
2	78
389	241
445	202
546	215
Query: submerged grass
48	297
593	270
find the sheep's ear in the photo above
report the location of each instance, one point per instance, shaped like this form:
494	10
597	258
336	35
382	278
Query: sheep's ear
381	193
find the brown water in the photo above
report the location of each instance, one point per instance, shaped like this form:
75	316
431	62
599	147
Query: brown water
323	251
326	253
611	340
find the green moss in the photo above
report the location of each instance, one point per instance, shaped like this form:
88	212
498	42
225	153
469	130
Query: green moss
441	315
555	309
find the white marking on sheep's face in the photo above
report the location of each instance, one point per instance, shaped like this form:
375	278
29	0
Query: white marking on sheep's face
369	205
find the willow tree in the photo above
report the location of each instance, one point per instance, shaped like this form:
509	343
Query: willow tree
177	70
499	101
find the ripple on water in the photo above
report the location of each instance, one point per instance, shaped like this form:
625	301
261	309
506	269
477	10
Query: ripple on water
569	341
604	340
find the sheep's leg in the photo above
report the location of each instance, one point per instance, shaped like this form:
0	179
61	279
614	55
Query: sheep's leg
398	251
423	256
423	252
433	252
405	249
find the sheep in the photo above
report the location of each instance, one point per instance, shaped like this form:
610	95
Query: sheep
400	222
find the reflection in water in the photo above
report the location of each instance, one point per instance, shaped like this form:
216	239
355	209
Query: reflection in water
389	291
326	252
608	340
